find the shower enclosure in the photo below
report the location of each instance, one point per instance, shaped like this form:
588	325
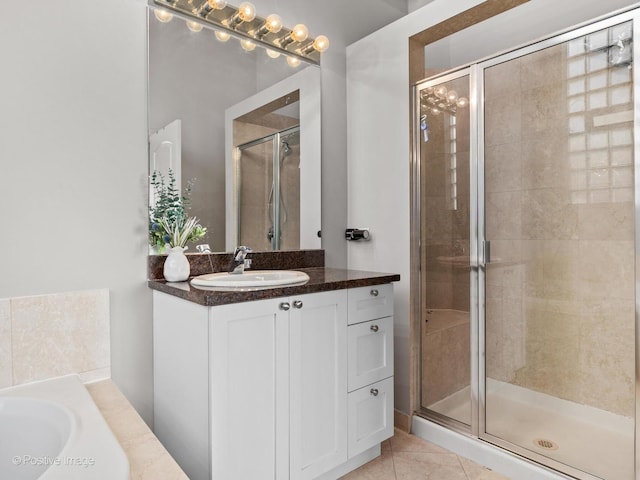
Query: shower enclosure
268	191
526	173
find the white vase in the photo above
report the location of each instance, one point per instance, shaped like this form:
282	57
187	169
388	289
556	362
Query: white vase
176	266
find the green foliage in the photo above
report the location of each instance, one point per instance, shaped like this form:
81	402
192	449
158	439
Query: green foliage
168	220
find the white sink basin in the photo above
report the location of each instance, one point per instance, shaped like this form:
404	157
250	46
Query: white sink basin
251	279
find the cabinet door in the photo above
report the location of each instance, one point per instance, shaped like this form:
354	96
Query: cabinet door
249	391
318	345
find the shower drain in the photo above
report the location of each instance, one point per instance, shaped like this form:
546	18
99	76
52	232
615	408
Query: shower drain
546	444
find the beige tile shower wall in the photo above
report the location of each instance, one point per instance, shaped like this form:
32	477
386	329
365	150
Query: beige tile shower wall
51	335
560	295
446	345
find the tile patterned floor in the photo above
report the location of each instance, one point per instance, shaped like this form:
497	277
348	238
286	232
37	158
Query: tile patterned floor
407	457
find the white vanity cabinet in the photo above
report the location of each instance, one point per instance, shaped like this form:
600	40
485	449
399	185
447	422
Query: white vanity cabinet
263	389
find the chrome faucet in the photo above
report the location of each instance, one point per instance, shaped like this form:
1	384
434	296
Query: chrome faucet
239	261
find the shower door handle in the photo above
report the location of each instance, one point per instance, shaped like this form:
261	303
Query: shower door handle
486	252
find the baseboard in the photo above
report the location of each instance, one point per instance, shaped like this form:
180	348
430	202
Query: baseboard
402	421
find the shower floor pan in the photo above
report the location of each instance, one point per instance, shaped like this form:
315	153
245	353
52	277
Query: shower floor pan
593	440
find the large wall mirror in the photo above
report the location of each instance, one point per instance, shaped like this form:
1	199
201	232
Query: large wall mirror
220	115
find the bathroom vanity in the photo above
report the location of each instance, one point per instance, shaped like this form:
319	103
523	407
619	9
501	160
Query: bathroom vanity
287	383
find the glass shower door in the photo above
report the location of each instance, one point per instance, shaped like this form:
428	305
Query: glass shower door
444	148
559	279
255	178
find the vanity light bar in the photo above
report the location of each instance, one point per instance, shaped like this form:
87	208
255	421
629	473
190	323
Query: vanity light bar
438	99
243	22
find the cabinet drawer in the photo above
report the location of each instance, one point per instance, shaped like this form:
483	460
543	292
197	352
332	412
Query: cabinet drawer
370	350
370	416
368	303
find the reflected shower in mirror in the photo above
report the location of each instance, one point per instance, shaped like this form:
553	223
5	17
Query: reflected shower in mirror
273	166
267	181
194	77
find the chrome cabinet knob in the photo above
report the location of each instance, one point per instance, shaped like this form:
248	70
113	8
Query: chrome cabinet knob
285	306
374	328
374	392
297	304
374	293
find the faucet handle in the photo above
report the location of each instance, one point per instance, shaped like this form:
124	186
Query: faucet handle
241	251
204	248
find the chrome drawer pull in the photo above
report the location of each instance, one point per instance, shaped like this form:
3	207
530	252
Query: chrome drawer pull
374	328
297	304
374	392
285	306
374	293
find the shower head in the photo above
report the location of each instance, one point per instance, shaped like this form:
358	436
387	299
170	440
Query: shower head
286	149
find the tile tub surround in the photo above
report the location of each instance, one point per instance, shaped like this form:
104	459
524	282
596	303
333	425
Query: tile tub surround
280	260
321	279
47	336
6	373
148	459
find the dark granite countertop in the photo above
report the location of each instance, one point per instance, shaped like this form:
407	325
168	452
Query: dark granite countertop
321	279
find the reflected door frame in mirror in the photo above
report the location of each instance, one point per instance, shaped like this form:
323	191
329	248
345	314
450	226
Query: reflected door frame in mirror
307	82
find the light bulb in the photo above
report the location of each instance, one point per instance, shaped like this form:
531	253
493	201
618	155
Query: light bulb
462	102
217	4
273	23
247	45
293	61
246	11
441	91
273	53
299	33
163	16
321	43
452	96
194	26
207	7
222	36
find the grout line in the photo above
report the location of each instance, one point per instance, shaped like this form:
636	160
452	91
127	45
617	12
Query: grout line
11	341
393	460
462	468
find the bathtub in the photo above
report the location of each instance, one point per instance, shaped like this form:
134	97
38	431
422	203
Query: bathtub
52	430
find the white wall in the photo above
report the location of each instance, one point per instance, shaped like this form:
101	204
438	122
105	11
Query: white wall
73	150
378	148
